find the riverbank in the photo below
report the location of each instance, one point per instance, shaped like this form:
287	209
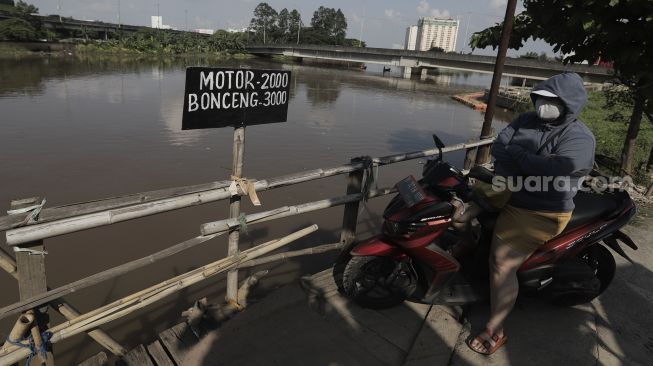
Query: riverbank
104	49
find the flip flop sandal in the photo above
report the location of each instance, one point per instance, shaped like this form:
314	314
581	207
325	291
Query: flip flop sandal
490	342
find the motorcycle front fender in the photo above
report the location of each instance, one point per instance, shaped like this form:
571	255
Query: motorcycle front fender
377	246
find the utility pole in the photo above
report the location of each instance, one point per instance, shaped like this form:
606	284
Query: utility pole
119	24
186	19
483	155
299	27
469	14
158	16
360	37
59	10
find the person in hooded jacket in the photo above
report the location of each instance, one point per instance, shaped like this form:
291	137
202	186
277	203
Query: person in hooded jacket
555	151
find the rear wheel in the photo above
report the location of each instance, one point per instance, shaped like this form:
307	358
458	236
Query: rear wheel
602	263
378	282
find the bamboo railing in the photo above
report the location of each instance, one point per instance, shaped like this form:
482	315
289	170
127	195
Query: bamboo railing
25	232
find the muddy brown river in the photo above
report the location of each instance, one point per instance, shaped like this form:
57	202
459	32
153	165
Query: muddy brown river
75	130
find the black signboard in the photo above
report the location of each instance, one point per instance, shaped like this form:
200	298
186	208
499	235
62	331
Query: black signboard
217	97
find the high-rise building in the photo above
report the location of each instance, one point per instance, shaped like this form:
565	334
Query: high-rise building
411	38
435	32
157	21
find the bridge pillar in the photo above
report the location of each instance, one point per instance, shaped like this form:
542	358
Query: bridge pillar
407	72
412	71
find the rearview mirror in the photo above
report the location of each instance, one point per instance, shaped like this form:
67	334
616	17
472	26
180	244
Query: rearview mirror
438	143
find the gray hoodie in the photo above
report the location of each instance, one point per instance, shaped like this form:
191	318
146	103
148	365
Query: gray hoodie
570	154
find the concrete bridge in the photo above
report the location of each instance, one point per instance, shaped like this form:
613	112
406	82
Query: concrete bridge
104	29
418	61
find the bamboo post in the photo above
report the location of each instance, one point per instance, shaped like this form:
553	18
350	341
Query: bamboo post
20	329
470	157
32	281
234	211
350	216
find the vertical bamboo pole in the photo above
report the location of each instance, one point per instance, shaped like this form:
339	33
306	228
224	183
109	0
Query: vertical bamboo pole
32	281
234	211
350	216
483	153
9	265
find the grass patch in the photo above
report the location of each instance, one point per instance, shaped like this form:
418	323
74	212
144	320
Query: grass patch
610	132
12	51
101	49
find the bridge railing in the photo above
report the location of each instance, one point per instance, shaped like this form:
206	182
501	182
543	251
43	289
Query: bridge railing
510	61
29	224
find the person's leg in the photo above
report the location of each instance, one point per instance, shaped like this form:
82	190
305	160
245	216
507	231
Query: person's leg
504	287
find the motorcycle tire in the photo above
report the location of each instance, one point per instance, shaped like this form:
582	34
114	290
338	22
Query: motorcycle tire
377	282
602	262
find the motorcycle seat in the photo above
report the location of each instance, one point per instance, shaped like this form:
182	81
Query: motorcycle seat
591	206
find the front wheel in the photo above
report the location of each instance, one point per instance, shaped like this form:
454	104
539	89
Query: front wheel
378	282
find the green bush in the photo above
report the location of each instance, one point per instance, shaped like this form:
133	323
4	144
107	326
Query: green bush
16	29
608	120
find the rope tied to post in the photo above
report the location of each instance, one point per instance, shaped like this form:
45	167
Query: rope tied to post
32	216
41	350
246	187
370	175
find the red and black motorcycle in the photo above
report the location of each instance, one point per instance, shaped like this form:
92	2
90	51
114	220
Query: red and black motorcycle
409	260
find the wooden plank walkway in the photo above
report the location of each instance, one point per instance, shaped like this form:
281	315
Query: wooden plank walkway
312	323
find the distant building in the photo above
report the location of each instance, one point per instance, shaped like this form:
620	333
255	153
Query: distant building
157	22
237	30
411	38
435	32
204	31
7	2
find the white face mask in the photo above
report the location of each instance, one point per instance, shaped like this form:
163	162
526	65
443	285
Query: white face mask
549	109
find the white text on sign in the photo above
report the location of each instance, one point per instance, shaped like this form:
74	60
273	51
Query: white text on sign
250	93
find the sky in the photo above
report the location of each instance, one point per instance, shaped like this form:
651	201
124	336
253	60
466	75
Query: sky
381	23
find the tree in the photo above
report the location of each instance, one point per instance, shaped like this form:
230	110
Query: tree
353	42
330	23
16	29
531	55
264	21
617	30
283	21
294	22
25	9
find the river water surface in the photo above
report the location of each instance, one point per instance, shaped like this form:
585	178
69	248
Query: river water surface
75	130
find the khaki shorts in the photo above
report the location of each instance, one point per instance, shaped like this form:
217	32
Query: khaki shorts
526	230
